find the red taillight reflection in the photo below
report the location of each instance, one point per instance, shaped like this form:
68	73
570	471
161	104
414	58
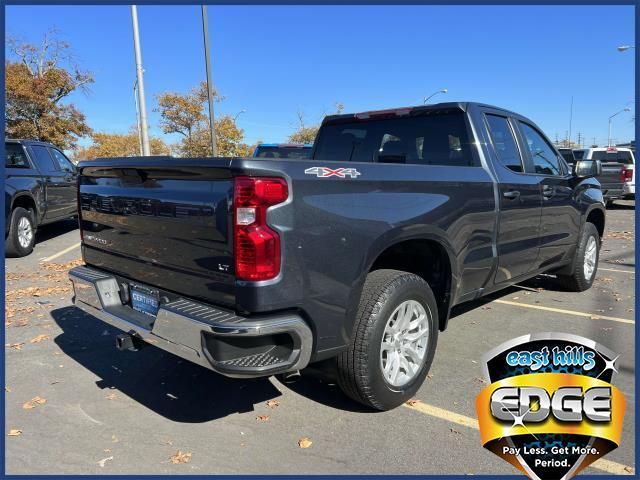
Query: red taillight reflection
257	247
627	174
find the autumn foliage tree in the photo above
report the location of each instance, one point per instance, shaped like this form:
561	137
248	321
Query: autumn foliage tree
119	145
305	133
184	114
38	80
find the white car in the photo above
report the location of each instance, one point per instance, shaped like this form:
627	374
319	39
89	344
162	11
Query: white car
616	161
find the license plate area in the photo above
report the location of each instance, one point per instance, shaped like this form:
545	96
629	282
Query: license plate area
144	299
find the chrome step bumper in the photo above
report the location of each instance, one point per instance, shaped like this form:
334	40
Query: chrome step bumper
200	333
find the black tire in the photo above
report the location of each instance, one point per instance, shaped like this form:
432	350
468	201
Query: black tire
13	247
360	373
578	281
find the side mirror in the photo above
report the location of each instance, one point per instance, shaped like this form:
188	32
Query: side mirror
587	168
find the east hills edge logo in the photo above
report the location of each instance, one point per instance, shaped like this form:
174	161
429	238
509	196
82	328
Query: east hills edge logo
550	409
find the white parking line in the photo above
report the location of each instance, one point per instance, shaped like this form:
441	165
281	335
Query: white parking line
59	254
616	270
601	464
591	316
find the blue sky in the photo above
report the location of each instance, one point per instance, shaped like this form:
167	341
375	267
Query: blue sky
274	61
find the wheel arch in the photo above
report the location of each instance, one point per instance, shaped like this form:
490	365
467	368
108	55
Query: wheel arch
427	254
26	201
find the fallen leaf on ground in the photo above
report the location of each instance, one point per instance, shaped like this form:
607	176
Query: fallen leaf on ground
263	418
39	338
180	457
15	346
304	442
111	396
273	403
33	402
105	460
114	439
14	432
411	403
7	389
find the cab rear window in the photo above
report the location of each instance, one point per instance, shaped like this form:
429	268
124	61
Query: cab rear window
436	139
612	157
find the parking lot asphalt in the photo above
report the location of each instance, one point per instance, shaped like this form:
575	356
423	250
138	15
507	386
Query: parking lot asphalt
77	405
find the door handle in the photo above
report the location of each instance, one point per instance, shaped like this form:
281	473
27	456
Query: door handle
547	191
511	194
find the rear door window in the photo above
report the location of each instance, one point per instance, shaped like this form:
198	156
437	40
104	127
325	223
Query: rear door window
44	160
15	156
505	143
434	139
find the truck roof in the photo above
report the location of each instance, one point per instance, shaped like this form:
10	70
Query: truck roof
460	106
27	141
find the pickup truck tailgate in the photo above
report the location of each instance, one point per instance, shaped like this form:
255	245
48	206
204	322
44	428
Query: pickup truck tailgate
162	223
611	177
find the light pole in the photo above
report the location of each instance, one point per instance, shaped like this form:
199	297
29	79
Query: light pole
144	133
135	98
623	48
426	99
207	60
238	114
625	109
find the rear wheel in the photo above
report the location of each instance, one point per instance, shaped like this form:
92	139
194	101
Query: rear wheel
586	261
22	233
393	342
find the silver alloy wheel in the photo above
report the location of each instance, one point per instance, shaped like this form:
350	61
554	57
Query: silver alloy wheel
590	257
404	343
25	232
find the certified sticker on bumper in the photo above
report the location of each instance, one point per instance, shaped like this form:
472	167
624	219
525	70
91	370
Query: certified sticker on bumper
144	301
551	408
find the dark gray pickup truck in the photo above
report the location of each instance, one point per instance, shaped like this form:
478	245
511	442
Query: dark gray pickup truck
39	188
353	257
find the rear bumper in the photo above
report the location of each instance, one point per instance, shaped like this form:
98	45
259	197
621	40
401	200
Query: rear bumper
217	339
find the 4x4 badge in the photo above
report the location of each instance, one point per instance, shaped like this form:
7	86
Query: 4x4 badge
325	172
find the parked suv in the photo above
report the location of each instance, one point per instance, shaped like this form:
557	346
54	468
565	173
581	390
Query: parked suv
354	257
40	188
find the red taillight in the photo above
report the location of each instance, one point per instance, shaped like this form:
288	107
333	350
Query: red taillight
627	174
257	247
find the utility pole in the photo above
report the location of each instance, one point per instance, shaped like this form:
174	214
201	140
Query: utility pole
144	133
594	141
570	120
207	60
579	138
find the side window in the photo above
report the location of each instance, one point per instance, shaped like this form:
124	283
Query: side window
545	159
64	163
44	160
504	142
15	156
